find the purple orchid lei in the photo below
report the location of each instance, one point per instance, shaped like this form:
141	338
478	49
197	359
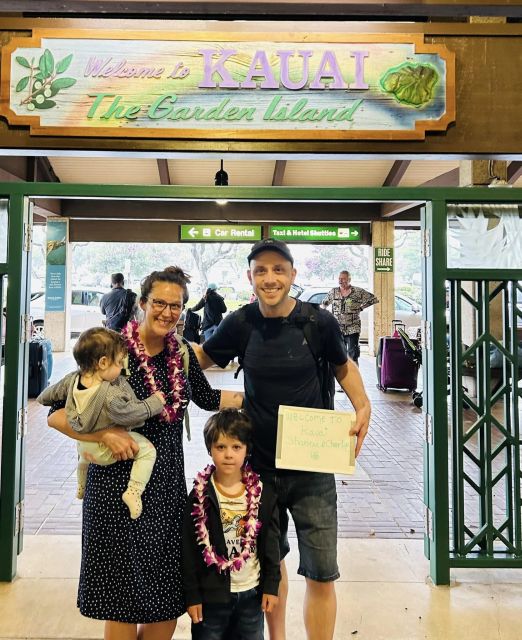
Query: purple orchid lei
171	412
253	495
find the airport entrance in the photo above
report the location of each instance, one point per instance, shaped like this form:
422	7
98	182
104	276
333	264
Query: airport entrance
487	438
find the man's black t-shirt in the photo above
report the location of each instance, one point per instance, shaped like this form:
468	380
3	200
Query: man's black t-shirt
278	367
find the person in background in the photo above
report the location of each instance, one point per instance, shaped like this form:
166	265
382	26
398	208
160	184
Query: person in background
131	569
214	307
230	554
347	303
112	303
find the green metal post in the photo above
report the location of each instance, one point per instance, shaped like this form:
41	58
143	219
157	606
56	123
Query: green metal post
15	394
435	395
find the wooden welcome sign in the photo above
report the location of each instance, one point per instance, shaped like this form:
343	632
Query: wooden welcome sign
223	86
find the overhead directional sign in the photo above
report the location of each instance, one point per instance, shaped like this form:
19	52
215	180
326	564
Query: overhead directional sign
383	259
316	233
220	233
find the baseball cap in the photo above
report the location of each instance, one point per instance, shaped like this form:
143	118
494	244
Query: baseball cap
269	244
212	285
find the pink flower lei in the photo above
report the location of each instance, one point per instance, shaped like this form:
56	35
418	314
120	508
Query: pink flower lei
253	494
171	411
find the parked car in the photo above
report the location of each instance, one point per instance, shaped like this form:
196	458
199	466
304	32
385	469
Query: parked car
85	310
406	310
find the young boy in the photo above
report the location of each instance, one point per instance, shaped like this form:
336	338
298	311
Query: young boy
97	397
230	557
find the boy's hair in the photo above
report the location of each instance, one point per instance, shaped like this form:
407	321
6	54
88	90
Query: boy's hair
95	343
232	423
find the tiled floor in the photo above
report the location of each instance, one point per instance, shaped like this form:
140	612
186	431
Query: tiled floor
382	499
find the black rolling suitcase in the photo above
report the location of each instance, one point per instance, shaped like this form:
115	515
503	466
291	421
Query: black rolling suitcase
39	356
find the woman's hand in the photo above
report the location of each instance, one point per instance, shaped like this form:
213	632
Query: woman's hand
231	400
122	446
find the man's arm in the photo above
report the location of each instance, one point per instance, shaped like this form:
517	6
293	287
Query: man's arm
231	399
369	299
328	299
204	360
349	378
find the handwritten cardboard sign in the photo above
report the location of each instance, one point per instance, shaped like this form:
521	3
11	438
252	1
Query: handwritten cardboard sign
315	440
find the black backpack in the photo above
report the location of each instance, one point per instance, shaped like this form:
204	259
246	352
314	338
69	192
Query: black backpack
192	326
128	305
308	321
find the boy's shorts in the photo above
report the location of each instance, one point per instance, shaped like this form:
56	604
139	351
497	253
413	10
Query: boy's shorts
311	499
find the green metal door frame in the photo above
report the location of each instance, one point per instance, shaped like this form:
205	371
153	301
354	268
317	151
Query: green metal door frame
433	222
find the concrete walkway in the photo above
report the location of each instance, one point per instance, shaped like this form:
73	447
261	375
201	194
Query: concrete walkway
383	594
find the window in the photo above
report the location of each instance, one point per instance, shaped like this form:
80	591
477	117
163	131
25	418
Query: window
402	305
76	297
93	298
317	298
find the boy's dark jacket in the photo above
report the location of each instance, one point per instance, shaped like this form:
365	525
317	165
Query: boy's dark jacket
205	584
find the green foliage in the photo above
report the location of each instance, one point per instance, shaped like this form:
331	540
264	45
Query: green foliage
62	83
22	84
46	104
63	65
46	63
411	84
42	81
23	61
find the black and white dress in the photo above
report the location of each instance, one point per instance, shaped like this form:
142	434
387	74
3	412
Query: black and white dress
131	569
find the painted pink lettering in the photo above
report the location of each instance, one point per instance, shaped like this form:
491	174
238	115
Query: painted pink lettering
359	82
260	60
285	56
212	66
328	68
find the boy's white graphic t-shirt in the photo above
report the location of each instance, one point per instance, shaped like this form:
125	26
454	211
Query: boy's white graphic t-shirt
233	510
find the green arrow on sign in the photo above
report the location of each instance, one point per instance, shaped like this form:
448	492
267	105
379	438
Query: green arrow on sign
220	233
315	233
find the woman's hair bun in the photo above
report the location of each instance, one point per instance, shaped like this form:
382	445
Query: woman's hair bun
178	271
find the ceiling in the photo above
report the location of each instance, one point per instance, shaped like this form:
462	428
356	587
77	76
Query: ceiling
253	173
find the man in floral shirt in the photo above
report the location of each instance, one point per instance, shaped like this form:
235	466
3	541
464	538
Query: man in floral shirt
347	303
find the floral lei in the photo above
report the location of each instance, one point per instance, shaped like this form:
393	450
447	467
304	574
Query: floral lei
177	383
252	527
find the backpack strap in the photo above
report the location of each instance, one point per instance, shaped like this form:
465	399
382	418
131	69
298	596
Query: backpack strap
185	358
309	321
245	324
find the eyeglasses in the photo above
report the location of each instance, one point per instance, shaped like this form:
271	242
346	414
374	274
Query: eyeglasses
160	305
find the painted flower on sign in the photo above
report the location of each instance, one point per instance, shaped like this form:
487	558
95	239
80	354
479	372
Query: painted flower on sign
411	84
43	82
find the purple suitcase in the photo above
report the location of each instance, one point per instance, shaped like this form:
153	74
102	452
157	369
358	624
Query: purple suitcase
395	369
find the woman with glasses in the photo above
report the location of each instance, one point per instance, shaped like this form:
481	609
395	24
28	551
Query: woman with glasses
130	571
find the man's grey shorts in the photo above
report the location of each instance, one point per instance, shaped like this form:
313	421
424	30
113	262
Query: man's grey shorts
311	499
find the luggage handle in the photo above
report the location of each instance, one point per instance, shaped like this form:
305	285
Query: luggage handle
397	324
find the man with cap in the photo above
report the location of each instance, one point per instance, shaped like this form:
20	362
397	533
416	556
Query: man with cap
279	368
214	307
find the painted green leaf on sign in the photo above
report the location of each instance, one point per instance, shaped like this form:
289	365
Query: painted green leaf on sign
411	84
23	61
62	83
46	104
63	65
46	63
22	83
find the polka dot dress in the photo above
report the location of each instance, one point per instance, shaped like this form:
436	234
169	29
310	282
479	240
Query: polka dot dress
130	569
